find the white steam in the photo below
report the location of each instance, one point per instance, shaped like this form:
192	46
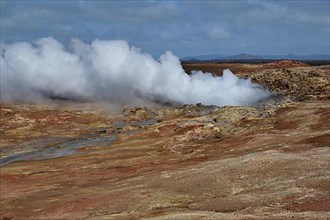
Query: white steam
113	71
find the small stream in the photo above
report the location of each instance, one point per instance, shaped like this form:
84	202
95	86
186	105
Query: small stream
53	147
65	148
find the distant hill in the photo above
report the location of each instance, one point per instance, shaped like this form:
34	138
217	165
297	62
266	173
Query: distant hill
206	57
244	56
297	57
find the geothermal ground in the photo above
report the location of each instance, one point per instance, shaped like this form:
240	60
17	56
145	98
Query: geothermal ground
65	160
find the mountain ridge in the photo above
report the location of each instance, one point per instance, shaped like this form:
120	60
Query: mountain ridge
245	56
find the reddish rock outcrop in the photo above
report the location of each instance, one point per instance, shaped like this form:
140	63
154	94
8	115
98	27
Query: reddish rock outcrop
286	64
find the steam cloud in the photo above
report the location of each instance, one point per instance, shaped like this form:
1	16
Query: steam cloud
115	72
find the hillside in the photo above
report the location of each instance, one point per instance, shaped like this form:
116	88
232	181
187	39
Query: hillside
80	161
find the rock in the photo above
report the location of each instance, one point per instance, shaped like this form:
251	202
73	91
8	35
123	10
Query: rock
301	83
142	113
286	63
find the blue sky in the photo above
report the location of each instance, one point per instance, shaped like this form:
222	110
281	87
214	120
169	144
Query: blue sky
185	27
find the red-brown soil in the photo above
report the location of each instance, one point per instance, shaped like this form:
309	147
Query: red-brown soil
270	161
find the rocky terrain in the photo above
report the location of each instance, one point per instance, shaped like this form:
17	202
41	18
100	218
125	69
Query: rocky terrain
285	63
241	69
269	161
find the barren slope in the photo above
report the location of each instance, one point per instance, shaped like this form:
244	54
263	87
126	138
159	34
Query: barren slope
269	161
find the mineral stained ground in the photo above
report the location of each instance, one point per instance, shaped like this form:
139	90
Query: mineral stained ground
269	161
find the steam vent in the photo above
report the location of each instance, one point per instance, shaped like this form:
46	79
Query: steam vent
72	159
164	110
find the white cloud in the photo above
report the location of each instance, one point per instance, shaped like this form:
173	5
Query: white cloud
19	20
270	12
219	33
160	25
160	11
